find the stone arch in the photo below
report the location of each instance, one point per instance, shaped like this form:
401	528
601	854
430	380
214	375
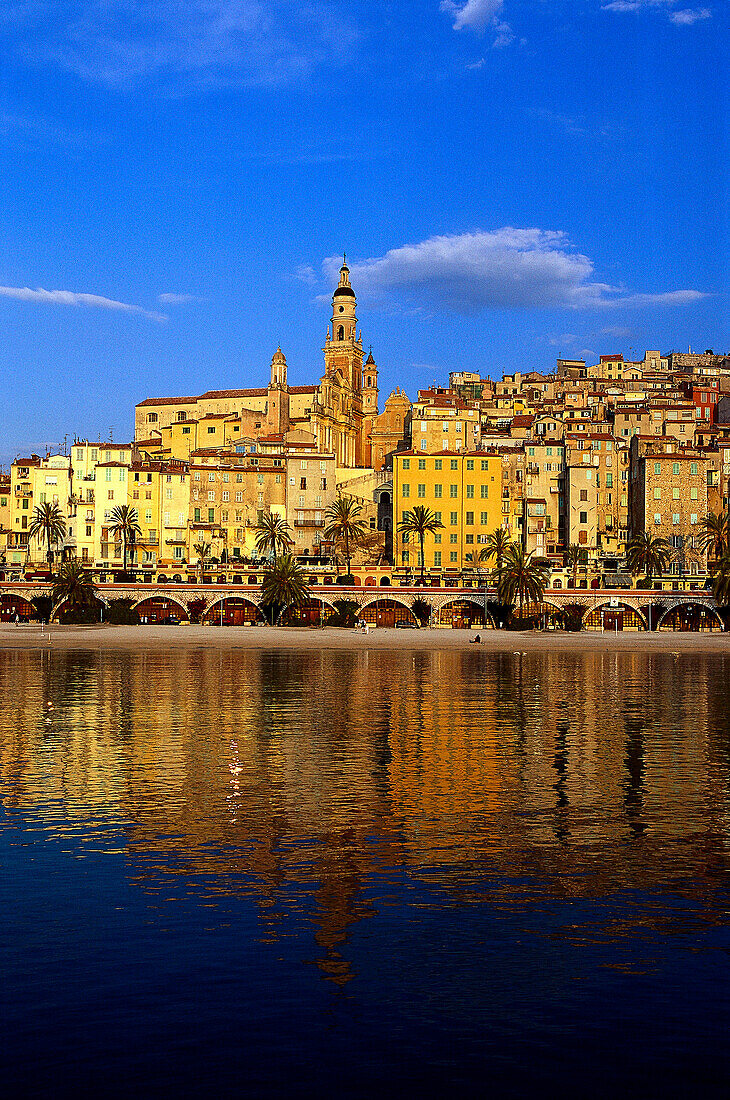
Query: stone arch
311	613
160	607
691	615
370	582
382	611
547	610
236	611
456	613
12	604
625	615
385	582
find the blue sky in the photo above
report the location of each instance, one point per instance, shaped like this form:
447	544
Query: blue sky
513	180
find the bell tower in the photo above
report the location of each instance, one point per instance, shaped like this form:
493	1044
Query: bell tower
343	347
370	386
277	405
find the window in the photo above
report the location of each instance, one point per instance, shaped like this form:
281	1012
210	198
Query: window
437	491
693	493
485	464
583	518
421	490
239	498
453	490
211	495
609	481
211	515
675	518
470	463
110	494
470	519
438	464
185	431
88	532
148	496
196	515
453	556
693	518
211	476
422	464
693	468
675	494
454	464
657	494
225	495
657	468
657	519
406	490
675	469
437	538
584	494
302	482
470	539
406	463
437	557
454	519
438	517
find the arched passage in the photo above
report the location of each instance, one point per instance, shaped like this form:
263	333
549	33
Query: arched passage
617	616
463	614
12	607
537	615
233	611
387	613
312	613
157	609
691	617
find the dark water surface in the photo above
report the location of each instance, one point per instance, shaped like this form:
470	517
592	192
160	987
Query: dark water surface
385	874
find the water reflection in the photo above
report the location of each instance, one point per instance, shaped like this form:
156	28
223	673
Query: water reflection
315	784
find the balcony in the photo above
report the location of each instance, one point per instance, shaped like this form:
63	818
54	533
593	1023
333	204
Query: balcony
27	493
308	519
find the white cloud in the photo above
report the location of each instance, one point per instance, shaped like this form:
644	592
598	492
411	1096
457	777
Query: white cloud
71	298
683	17
475	14
175	299
504	36
181	43
505	268
687	16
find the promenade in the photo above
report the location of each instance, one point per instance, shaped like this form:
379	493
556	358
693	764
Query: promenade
33	636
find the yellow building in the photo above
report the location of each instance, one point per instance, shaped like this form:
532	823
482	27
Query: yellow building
444	426
463	490
35	481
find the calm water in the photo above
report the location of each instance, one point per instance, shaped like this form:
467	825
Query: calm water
356	874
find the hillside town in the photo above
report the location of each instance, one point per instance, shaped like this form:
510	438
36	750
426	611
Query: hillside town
572	465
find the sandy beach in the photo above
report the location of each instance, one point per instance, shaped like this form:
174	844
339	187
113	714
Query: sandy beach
262	637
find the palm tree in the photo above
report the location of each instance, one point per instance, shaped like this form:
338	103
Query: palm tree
344	522
272	536
202	549
715	537
521	577
575	556
420	521
721	580
496	546
647	554
125	523
49	525
284	584
72	586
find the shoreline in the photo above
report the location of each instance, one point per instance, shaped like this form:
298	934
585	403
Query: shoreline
101	636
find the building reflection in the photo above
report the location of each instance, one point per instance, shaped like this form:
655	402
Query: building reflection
308	781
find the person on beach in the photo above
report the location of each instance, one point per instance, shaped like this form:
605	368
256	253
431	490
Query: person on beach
476	640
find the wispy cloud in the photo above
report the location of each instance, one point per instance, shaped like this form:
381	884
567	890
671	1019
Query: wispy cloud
505	268
176	299
477	15
71	298
687	16
186	43
480	16
682	17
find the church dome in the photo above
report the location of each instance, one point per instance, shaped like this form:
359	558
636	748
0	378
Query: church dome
344	292
278	356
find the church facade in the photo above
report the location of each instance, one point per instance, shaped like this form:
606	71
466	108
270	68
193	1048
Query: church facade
338	413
